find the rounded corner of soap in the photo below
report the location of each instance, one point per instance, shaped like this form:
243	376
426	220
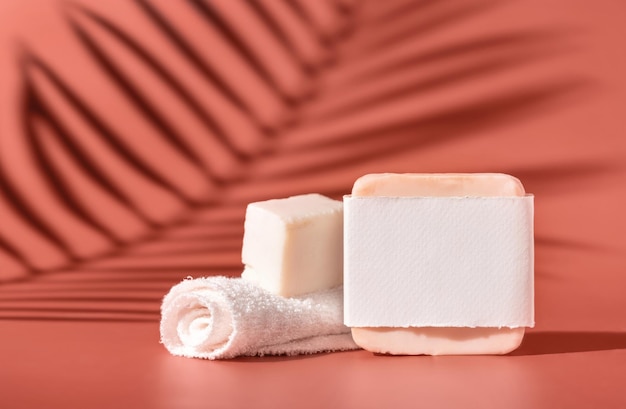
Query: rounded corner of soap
511	183
365	179
360	340
515	341
365	184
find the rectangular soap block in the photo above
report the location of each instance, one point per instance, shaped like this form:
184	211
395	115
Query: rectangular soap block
440	339
294	246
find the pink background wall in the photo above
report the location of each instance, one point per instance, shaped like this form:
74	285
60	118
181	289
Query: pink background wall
134	132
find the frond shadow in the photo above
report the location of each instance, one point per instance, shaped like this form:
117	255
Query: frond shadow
167	77
323	149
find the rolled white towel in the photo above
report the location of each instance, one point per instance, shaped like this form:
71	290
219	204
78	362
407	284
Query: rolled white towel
220	317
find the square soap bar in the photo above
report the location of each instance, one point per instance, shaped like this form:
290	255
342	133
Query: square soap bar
294	246
437	340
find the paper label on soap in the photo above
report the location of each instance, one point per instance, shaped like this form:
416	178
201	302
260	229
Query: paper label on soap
438	261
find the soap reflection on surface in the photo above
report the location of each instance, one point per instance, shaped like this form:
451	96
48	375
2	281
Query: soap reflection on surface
481	381
359	378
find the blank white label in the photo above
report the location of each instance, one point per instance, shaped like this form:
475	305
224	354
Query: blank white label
438	261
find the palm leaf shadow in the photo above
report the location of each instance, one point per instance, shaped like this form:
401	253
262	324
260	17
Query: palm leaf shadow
337	140
416	20
107	134
188	52
166	77
360	145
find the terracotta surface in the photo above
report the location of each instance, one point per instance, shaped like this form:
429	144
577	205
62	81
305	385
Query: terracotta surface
133	133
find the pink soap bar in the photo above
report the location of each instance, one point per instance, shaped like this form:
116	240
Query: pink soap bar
436	340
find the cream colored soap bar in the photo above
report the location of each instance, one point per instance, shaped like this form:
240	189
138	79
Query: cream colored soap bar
431	340
294	246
